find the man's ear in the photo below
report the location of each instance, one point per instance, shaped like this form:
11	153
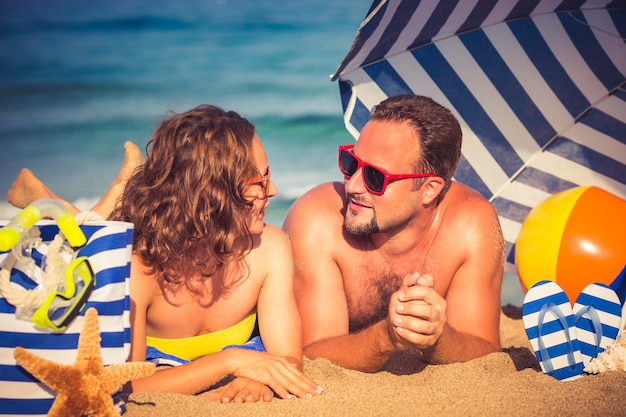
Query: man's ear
432	188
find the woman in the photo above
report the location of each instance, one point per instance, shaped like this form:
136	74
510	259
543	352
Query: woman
205	265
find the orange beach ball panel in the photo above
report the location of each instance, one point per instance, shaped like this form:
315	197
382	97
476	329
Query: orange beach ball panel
575	237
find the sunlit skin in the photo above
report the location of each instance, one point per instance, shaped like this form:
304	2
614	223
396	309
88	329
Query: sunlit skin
174	312
185	314
27	187
427	276
257	191
398	206
165	312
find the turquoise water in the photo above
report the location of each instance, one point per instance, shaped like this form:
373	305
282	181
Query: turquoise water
78	78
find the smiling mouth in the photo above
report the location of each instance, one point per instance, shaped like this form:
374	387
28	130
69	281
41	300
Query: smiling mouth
357	207
355	202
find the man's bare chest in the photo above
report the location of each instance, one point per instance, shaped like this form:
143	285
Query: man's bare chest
369	284
370	281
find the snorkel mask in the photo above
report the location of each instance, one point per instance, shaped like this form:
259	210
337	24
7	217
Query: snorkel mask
64	281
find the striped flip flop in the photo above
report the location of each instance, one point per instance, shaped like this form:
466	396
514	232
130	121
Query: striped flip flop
549	322
598	316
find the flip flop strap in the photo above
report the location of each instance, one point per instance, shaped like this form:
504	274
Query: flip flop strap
545	359
591	312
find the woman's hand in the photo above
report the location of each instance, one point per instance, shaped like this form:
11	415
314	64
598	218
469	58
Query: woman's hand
282	375
241	390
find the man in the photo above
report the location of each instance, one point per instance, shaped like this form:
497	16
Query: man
388	263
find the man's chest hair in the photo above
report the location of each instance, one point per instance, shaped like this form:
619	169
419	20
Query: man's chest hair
368	298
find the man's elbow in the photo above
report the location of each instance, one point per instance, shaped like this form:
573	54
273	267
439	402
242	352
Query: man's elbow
309	351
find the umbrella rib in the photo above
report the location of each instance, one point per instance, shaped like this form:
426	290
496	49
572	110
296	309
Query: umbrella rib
599	29
553	139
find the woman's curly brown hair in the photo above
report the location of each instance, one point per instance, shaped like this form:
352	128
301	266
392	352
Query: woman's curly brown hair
187	201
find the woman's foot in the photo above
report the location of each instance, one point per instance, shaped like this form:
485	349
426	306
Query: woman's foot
133	158
27	188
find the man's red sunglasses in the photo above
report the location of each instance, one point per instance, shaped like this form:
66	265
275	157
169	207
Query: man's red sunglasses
374	178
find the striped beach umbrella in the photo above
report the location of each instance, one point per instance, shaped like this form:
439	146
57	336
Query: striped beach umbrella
539	87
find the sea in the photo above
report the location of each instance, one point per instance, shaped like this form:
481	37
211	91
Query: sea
79	78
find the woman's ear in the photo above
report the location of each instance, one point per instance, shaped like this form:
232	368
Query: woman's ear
432	188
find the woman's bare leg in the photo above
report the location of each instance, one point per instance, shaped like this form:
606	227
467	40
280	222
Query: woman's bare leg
133	158
27	187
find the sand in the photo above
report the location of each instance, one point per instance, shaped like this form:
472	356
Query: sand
507	383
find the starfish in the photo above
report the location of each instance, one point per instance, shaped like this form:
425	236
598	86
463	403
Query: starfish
84	388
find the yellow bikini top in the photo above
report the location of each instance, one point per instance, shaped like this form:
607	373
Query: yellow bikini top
194	347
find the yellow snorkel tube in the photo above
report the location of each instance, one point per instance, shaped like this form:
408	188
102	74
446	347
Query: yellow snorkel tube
62	293
11	234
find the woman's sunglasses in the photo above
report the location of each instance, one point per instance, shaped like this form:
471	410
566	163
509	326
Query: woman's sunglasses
263	180
375	179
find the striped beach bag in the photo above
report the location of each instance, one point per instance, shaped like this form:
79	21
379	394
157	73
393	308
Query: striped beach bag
100	269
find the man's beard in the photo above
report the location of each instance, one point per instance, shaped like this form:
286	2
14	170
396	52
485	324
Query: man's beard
360	229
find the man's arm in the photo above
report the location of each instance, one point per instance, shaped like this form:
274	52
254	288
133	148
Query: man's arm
419	315
314	230
475	295
465	324
365	351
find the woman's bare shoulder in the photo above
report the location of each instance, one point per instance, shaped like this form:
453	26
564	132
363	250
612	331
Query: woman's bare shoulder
269	245
272	235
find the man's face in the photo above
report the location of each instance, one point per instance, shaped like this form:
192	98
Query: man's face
393	148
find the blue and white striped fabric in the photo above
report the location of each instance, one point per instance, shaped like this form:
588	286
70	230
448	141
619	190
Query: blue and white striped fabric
109	248
541	98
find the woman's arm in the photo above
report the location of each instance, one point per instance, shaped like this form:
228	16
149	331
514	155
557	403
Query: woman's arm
279	320
278	373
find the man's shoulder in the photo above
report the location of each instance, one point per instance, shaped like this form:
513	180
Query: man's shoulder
466	209
460	196
324	198
317	212
469	214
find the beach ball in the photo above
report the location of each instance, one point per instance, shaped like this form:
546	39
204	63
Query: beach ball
575	237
